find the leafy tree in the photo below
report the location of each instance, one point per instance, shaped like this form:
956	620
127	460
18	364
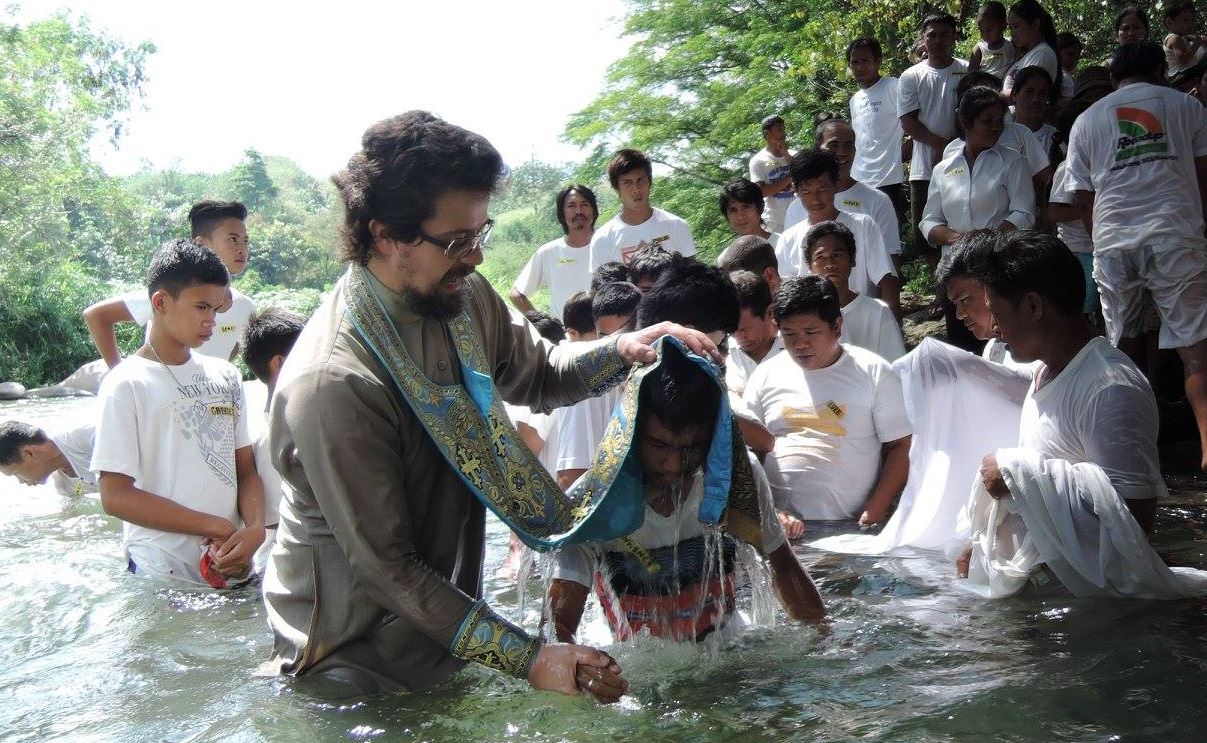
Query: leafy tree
251	183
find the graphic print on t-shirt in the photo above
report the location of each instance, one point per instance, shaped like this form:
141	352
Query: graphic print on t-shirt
775	174
1142	135
627	253
827	420
207	413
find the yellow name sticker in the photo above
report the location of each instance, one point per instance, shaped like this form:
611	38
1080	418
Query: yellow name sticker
224	329
223	410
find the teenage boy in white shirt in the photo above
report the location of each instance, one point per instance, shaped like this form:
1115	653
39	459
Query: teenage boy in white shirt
742	205
769	171
878	132
1138	161
638	224
173	450
562	264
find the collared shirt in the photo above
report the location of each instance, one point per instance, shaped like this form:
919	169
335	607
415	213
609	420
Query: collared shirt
997	188
1017	137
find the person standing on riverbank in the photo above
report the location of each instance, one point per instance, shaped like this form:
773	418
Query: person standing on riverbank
562	264
388	429
639	224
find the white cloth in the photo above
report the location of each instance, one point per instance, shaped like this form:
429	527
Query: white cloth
178	441
872	261
739	366
1040	55
961	407
931	93
1135	150
578	562
76	445
1046	136
617	241
878	134
829	425
996	61
1066	516
1016	137
1099	409
861	198
996	189
565	270
1074	233
581	427
766	168
869	323
228	328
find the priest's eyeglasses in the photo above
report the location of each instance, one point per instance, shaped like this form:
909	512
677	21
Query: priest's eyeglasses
458	247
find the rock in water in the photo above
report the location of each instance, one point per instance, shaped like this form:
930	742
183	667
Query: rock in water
56	390
12	391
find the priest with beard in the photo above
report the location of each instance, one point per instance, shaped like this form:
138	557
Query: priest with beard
388	430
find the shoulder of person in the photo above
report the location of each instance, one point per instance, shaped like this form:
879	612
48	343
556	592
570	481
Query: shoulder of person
555	244
663	215
129	373
869	362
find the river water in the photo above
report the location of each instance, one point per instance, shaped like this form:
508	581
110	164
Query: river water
87	652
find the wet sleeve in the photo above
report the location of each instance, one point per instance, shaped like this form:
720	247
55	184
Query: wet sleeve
1120	429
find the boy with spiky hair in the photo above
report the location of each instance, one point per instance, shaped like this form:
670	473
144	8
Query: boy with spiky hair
173	449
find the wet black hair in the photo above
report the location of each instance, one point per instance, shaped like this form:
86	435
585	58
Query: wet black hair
809	164
564	194
205	215
691	293
180	263
576	313
679	393
806	295
269	332
748	253
14	435
549	327
608	273
1032	261
616	298
825	229
625	161
743	192
405	165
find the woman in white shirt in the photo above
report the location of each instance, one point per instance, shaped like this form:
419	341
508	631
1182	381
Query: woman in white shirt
982	184
1034	35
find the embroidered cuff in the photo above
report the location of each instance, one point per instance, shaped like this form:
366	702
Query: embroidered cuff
601	368
492	641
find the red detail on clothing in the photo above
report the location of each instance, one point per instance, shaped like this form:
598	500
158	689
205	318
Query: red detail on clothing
672	616
210	573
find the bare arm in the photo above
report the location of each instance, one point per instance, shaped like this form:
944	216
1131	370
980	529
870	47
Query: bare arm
794	587
1058	213
771	189
942	235
121	499
567	600
520	301
566	478
893	474
974	59
917	131
757	437
530	437
100	319
1085	200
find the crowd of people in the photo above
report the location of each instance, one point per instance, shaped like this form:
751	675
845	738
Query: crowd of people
668	415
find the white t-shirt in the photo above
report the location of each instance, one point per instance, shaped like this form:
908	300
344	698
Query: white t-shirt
996	189
1016	137
864	199
617	241
739	366
565	270
872	262
767	168
257	429
1071	233
581	427
578	562
1041	55
1135	150
996	61
227	331
829	425
1099	409
76	444
176	435
932	94
869	323
878	134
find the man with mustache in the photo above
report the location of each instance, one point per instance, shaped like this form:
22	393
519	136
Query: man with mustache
563	264
388	429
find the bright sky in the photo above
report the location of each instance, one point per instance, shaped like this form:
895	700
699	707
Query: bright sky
305	81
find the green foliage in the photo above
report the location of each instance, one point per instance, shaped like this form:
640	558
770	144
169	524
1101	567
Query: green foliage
251	183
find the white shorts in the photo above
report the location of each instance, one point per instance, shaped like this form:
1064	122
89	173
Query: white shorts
1174	276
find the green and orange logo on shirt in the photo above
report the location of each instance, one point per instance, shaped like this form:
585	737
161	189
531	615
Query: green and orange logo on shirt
1141	133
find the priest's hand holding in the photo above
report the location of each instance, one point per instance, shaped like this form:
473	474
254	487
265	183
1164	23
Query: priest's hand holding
568	668
991	477
636	347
